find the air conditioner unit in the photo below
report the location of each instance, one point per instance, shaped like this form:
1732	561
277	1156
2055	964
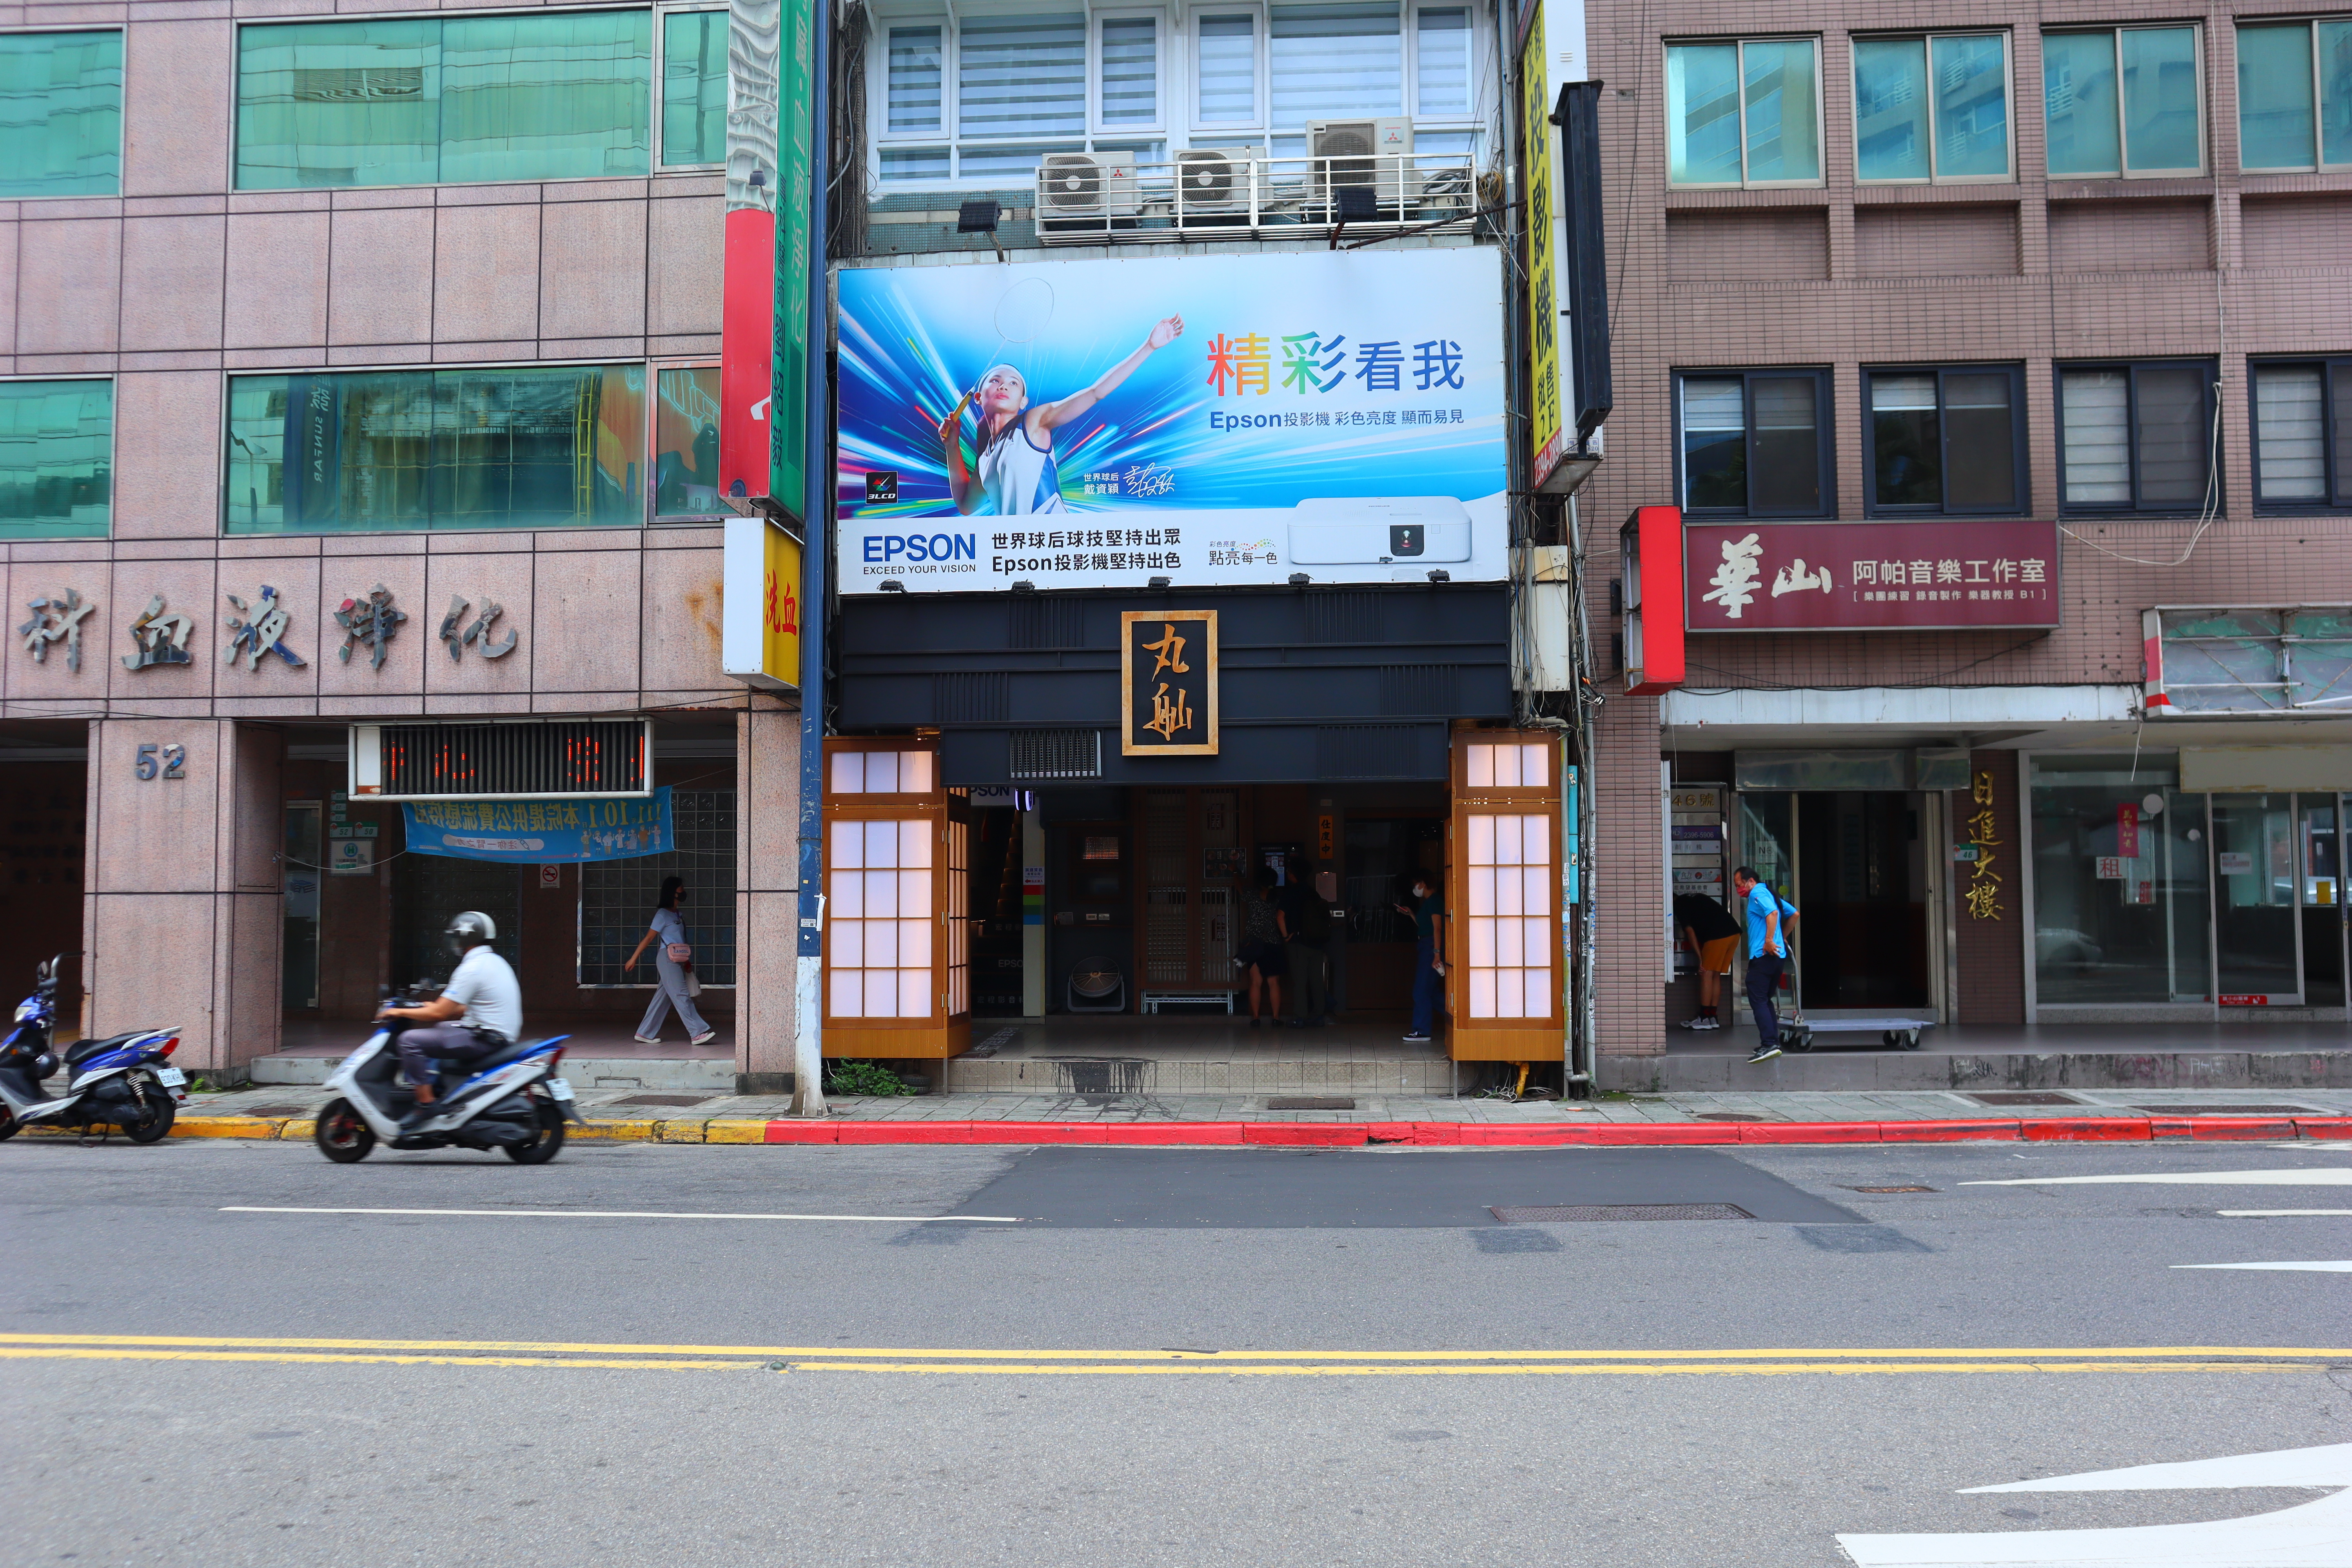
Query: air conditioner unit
1215	179
1374	153
1081	184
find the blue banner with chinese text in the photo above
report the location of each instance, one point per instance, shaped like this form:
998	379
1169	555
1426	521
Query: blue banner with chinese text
540	832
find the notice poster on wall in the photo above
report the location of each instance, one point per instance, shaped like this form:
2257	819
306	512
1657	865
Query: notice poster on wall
1231	420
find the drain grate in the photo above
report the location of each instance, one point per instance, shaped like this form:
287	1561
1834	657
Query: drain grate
664	1100
2023	1097
1726	1116
1890	1189
275	1110
1565	1213
2224	1109
1310	1102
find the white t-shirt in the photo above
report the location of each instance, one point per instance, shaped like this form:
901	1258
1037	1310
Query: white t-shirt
486	985
1021	476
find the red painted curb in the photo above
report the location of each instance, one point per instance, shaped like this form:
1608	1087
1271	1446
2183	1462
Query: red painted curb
1557	1135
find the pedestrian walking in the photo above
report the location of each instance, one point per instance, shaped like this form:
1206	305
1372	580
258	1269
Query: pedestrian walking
1768	918
1713	936
1265	953
1427	913
674	966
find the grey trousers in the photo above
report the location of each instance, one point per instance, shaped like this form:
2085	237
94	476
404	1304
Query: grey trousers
671	992
422	1045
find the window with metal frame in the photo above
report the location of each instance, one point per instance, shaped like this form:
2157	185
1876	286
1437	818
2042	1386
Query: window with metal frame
1944	440
2303	433
2124	101
414	100
2137	438
61	115
57	458
693	88
2295	94
1755	443
978	101
618	897
1934	108
1744	112
686	443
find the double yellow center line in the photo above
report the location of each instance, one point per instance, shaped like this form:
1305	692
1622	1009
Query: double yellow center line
1174	1362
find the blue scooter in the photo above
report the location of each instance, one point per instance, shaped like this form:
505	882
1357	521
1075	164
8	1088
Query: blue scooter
119	1081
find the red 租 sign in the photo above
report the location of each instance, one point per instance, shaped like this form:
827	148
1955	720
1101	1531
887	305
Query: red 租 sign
1869	576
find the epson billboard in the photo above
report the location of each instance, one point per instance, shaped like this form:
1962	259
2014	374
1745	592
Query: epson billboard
1231	421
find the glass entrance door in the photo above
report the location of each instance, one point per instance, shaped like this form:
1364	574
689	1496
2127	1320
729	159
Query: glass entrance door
2319	824
303	860
2257	937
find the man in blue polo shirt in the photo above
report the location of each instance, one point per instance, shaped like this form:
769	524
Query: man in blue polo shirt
1768	915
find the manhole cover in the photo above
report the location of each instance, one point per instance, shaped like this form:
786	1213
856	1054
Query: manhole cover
1310	1102
664	1100
1890	1189
275	1110
2224	1109
1564	1214
2023	1097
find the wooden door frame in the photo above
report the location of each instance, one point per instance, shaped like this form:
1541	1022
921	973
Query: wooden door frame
944	1033
1497	1040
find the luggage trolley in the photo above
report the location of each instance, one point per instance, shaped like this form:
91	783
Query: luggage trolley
1798	1033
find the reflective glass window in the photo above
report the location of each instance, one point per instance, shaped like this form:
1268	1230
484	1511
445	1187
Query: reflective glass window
2122	101
2120	882
61	115
1130	71
57	458
1327	61
694	88
2137	437
363	451
1744	113
1756	442
426	100
686	443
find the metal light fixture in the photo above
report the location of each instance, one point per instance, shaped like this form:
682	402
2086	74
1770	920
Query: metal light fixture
1298	579
1024	586
1159	583
979	215
892	585
1440	575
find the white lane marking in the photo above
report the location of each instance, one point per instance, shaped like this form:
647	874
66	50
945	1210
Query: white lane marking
2314	1268
650	1214
2325	1176
2277	1214
2311	1535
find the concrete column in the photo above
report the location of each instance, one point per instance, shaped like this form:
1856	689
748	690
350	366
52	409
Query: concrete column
183	921
767	893
1628	880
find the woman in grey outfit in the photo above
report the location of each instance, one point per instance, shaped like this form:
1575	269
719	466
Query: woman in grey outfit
669	926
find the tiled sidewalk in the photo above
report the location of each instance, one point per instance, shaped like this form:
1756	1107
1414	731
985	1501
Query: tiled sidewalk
1924	1105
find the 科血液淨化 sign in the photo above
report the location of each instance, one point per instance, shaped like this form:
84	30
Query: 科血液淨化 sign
1869	576
1233	420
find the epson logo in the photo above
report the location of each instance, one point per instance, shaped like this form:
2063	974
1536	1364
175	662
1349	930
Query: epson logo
883	548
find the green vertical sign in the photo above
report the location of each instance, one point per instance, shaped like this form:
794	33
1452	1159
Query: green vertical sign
795	158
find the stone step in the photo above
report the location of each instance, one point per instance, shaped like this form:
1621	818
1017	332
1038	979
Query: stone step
713	1074
1138	1075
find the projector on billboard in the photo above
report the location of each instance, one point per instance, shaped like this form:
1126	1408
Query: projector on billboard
1099	423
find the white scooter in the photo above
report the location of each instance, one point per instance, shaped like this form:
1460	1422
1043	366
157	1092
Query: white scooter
511	1101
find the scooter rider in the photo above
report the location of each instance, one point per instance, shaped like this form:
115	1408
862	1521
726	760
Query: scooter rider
482	994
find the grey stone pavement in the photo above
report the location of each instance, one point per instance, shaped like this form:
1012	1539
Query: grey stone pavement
1923	1105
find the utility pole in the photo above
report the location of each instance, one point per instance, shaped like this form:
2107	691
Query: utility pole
816	472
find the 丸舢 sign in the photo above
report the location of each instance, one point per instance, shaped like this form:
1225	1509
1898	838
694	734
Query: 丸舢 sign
1869	576
1167	683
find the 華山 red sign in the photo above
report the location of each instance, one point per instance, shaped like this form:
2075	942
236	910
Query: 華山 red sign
1869	576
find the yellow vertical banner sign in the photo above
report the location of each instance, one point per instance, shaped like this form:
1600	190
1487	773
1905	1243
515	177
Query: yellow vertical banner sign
759	605
1546	445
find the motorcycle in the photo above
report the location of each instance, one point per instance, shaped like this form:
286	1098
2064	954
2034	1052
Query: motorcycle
119	1081
510	1100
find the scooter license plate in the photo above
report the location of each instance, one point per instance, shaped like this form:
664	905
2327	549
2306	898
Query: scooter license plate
171	1077
559	1089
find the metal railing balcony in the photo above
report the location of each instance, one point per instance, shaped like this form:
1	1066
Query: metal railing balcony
1097	198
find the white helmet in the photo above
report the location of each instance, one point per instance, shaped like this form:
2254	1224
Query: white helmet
471	928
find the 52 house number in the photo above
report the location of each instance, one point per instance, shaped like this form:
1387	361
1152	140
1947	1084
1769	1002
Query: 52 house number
160	761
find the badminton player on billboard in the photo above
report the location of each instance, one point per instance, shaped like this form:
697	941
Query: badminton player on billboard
1106	423
1017	475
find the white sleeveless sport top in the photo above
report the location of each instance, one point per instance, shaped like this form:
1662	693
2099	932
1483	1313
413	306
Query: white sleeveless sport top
1020	476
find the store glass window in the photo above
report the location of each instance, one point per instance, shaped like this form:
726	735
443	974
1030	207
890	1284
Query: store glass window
1931	109
57	458
694	89
2120	884
424	101
1744	112
686	443
368	451
61	115
2124	100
